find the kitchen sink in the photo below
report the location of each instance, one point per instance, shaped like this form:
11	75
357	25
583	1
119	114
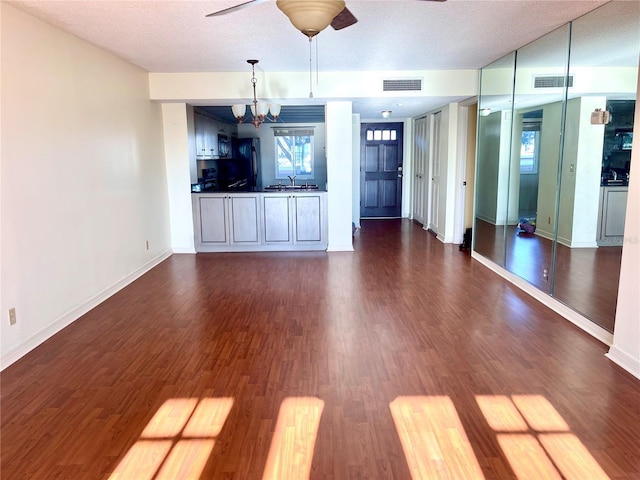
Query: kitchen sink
291	187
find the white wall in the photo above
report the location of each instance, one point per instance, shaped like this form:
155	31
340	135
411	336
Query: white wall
339	175
581	167
83	179
178	147
448	189
548	169
625	350
488	162
224	87
355	172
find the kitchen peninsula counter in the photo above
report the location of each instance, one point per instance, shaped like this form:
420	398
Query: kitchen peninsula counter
265	220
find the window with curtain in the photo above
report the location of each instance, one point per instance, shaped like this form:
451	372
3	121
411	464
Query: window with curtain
294	152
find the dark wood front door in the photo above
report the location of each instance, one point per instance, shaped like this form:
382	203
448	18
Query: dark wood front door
381	170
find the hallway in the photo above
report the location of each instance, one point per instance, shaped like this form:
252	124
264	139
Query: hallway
403	360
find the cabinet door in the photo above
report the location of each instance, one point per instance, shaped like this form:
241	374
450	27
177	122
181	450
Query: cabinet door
277	219
210	137
308	224
213	220
206	135
244	225
614	210
199	127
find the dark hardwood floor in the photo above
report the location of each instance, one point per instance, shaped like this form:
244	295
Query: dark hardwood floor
404	360
586	279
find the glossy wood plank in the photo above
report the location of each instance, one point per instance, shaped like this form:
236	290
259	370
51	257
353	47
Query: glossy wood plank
188	369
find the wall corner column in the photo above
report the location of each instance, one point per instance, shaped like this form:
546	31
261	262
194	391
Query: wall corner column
176	154
339	151
625	350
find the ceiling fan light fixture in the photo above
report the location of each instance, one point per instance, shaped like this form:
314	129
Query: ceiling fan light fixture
311	16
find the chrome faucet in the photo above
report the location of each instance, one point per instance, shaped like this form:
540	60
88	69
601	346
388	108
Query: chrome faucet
293	180
615	175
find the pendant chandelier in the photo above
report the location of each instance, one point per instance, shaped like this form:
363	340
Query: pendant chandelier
259	110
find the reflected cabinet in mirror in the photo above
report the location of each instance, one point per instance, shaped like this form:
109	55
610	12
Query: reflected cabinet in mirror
554	214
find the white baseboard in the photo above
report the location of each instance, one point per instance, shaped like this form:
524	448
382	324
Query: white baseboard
184	250
340	248
72	315
574	317
620	358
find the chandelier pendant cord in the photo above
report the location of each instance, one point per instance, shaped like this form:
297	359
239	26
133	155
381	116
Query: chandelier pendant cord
310	69
254	80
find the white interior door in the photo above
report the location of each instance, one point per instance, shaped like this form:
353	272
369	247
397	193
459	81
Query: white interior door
435	162
420	159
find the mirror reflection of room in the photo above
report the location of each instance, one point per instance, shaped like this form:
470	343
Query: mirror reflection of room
556	155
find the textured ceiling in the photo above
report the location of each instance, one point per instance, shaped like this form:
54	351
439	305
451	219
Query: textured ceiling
176	36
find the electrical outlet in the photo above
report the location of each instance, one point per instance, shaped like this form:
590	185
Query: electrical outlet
12	316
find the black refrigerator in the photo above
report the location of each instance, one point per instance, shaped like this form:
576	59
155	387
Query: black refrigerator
241	171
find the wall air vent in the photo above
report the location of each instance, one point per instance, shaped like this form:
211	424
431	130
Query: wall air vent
551	81
402	85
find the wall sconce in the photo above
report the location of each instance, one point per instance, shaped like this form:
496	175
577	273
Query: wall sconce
600	117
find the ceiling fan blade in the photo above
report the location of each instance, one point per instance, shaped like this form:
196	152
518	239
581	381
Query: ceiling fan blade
343	20
236	7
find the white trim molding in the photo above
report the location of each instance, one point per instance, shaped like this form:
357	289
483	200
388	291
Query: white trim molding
620	358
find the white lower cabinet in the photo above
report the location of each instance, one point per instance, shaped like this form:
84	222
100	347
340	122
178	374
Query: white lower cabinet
211	221
613	209
227	220
308	221
277	219
295	219
260	222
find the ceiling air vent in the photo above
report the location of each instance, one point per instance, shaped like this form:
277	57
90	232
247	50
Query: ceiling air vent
402	85
551	81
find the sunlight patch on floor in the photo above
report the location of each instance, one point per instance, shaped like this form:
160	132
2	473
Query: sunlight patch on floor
177	441
536	440
294	439
433	439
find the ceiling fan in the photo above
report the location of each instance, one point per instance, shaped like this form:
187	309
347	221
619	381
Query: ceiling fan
308	16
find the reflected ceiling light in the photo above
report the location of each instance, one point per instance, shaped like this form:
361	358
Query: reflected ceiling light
259	111
311	16
386	113
485	112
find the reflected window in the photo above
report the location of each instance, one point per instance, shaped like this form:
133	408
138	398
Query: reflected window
530	145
